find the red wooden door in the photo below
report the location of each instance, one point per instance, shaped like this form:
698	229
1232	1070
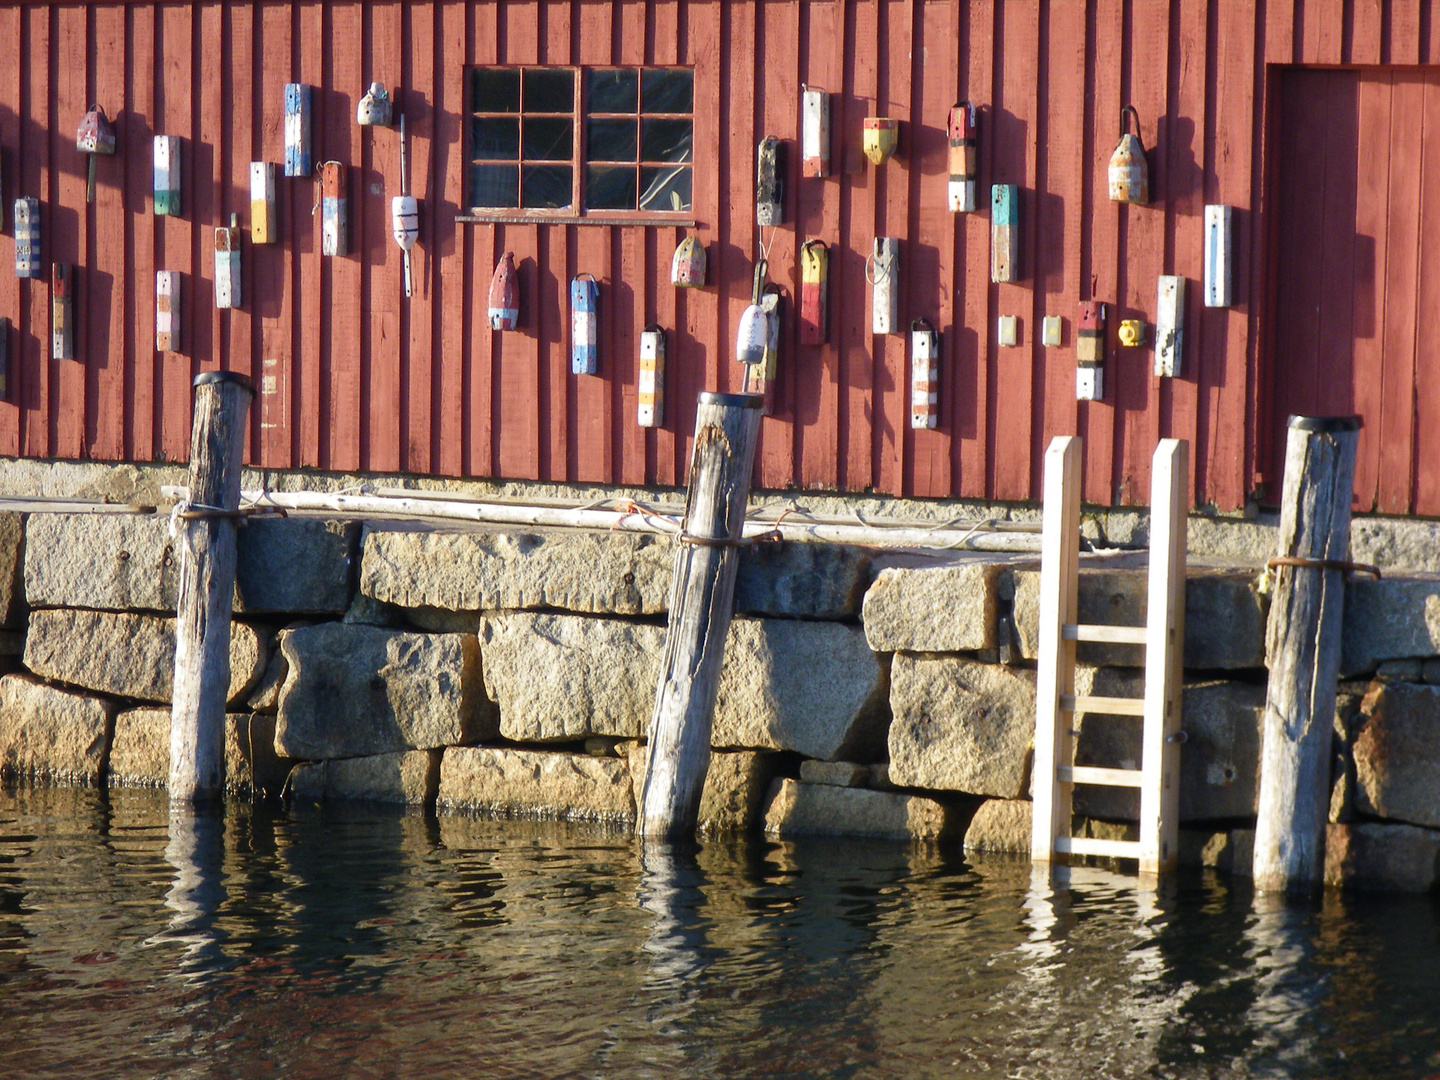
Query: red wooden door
1357	289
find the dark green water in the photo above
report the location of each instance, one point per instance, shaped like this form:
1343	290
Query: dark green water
367	943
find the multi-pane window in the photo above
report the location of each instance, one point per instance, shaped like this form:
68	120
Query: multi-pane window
583	140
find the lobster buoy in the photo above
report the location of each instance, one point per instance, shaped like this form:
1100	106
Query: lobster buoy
1129	168
504	295
687	268
584	325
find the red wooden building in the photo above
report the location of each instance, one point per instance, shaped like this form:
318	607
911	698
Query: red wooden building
1318	121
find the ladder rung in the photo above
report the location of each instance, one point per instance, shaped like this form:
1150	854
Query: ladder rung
1088	845
1090	774
1116	635
1112	706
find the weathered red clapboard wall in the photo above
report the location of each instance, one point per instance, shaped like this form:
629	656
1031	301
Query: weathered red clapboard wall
358	377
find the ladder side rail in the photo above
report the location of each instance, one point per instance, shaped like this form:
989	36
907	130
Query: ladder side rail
1055	675
1164	658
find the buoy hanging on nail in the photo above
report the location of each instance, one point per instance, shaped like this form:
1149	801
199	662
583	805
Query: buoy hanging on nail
881	138
27	237
814	283
814	132
1170	326
687	268
334	210
167	311
1217	256
964	158
1090	352
298	161
769	182
924	374
584	325
651	383
772	303
1004	232
884	288
167	175
405	213
94	136
264	219
227	265
62	312
1129	168
504	295
374	109
753	335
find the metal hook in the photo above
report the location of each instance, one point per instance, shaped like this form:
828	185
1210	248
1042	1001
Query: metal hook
1124	125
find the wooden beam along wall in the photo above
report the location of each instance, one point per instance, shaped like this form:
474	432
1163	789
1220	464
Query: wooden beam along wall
423	385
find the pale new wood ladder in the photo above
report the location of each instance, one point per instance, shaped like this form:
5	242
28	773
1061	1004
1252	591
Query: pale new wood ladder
1057	704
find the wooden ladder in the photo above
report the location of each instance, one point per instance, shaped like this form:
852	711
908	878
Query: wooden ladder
1057	706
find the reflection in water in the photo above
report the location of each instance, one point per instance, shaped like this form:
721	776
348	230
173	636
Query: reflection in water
196	849
373	942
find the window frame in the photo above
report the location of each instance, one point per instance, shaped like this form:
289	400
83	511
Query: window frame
577	213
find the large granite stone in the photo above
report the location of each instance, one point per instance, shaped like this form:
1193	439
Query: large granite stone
140	752
1397	753
1219	761
801	580
1375	856
47	733
796	809
933	609
811	687
128	562
113	562
1224	616
603	573
1001	825
532	783
411	777
1389	619
295	565
356	691
128	655
734	791
12	569
563	678
960	725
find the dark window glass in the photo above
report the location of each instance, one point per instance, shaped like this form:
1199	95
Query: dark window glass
546	186
495	90
494	185
495	138
665	140
610	187
612	90
549	138
664	188
610	140
549	90
667	91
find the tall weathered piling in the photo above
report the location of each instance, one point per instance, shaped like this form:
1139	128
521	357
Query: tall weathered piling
701	597
206	545
1303	651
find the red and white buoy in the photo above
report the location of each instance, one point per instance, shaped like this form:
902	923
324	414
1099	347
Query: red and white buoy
504	295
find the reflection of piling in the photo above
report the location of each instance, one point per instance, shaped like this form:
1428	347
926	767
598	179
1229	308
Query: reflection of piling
701	597
1303	651
207	586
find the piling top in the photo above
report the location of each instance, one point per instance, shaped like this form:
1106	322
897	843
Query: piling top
735	401
1325	424
210	378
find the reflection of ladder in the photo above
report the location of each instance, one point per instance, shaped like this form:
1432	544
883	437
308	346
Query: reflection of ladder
1057	705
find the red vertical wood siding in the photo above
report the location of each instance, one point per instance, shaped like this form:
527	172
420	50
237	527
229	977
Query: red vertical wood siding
354	376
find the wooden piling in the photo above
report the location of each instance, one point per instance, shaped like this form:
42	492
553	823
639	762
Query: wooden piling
702	592
207	586
1303	652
